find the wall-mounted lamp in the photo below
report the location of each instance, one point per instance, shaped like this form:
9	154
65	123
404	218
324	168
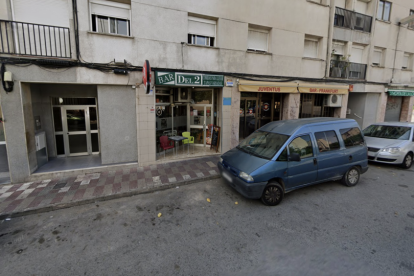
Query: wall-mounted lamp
60	100
6	79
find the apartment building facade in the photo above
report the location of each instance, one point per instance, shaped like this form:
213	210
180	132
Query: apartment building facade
78	80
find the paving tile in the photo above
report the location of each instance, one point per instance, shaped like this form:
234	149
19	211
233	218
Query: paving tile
79	194
98	191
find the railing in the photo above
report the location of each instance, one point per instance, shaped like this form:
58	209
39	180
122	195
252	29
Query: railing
352	20
19	38
347	70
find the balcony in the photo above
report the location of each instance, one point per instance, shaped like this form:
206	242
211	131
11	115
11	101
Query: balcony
347	70
27	39
352	20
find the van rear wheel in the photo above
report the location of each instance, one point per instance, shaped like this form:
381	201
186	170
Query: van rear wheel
272	194
351	177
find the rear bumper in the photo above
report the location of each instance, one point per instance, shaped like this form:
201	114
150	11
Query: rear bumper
248	190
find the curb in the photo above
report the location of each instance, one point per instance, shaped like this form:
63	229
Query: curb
104	198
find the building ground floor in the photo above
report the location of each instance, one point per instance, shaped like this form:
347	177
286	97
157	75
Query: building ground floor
83	118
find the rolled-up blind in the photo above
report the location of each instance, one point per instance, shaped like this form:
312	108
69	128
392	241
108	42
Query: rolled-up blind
119	11
257	40
44	12
201	26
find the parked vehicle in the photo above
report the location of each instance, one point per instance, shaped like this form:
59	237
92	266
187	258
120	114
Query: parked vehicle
391	143
286	155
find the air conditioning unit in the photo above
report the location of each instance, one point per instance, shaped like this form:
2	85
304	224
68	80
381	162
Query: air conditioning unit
333	100
182	95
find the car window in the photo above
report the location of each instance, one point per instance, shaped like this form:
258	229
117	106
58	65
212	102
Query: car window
388	132
352	137
302	145
283	155
327	140
263	144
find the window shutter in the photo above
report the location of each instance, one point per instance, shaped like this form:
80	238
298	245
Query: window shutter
356	54
406	61
377	56
200	26
257	40
339	48
46	12
121	11
311	48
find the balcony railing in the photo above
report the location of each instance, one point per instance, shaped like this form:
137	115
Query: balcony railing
19	38
347	70
352	20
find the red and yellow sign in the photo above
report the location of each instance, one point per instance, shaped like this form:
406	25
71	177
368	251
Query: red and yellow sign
323	89
268	87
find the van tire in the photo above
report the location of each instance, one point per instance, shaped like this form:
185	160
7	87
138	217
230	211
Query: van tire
272	194
408	161
351	177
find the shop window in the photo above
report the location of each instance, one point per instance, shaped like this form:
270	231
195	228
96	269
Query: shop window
311	49
407	60
302	145
327	141
202	96
257	40
384	10
110	17
352	137
201	31
377	58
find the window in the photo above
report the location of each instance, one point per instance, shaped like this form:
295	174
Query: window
406	61
257	40
311	47
263	144
384	10
411	24
327	140
352	137
201	31
110	17
302	145
377	57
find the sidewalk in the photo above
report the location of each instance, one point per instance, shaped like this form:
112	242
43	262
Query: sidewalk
47	195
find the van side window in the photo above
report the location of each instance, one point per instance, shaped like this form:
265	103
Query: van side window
327	140
352	137
283	156
302	145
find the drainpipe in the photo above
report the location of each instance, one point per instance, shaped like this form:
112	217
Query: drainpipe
395	54
330	35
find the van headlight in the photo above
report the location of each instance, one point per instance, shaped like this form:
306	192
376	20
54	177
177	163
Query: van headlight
221	160
391	150
246	177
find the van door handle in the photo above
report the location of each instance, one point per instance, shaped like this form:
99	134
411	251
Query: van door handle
350	158
315	161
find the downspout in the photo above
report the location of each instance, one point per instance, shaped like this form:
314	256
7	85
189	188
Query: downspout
14	32
395	55
76	29
330	35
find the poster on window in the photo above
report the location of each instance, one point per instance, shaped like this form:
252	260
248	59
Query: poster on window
209	134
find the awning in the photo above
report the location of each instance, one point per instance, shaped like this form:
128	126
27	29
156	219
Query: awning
322	88
262	86
408	93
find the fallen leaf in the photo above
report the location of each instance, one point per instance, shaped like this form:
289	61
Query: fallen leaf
159	215
236	203
208	200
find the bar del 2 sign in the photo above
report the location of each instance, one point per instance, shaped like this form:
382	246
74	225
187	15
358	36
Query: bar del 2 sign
183	79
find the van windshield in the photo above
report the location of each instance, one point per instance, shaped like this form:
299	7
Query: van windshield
388	132
263	144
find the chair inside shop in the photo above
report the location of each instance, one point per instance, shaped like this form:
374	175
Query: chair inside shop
166	144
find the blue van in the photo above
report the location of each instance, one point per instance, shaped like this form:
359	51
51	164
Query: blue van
286	155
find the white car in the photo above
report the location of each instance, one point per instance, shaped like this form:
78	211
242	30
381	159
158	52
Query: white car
391	143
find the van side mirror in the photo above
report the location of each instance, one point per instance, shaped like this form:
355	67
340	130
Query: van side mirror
294	157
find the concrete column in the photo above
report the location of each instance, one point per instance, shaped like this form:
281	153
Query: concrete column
407	109
291	104
235	117
340	112
146	128
15	133
382	107
226	119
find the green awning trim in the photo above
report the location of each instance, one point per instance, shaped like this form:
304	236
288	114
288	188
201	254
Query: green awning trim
408	93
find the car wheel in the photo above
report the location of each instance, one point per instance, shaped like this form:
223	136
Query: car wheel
351	177
408	161
272	194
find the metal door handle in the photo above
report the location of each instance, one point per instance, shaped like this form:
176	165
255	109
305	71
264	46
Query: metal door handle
315	161
350	158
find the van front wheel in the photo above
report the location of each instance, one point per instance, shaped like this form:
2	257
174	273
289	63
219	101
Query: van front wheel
272	194
351	177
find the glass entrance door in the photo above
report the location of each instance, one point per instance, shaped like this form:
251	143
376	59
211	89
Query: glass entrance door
77	129
248	120
200	119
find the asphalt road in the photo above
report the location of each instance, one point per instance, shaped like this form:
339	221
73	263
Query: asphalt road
327	229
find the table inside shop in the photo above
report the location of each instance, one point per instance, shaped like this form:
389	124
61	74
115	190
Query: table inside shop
177	139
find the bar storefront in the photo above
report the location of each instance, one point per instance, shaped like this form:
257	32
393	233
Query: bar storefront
186	105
